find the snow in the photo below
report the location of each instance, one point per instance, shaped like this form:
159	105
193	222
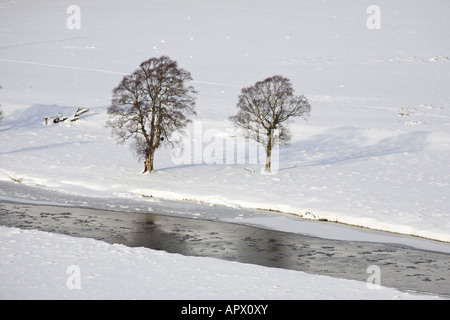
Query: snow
374	152
54	266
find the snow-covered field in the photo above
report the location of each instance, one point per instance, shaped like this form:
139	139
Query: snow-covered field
374	153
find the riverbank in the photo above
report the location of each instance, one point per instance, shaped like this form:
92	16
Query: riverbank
39	265
403	268
18	192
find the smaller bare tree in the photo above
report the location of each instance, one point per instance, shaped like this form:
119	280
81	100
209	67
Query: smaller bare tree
266	108
151	103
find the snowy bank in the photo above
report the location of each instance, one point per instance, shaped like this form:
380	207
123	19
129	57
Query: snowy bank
374	152
40	265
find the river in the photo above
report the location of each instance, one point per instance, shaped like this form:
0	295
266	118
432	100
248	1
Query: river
402	267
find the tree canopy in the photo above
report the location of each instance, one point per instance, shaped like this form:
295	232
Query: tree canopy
264	110
149	104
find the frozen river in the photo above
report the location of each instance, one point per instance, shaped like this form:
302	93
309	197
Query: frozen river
134	222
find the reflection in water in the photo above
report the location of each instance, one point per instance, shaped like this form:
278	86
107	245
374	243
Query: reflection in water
212	239
402	267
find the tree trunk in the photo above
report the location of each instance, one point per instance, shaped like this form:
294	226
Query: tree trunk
148	161
268	151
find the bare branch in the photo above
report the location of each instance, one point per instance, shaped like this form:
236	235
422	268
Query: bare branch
150	104
266	106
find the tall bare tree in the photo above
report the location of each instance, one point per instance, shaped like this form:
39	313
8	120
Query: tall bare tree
264	110
151	103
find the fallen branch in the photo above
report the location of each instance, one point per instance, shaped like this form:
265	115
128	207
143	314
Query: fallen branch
249	170
59	118
79	112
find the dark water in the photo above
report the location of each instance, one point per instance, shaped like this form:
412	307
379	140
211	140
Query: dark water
401	267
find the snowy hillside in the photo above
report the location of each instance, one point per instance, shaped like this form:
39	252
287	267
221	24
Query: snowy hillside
374	152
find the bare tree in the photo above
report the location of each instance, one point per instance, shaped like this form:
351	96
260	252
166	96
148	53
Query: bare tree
151	103
264	110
